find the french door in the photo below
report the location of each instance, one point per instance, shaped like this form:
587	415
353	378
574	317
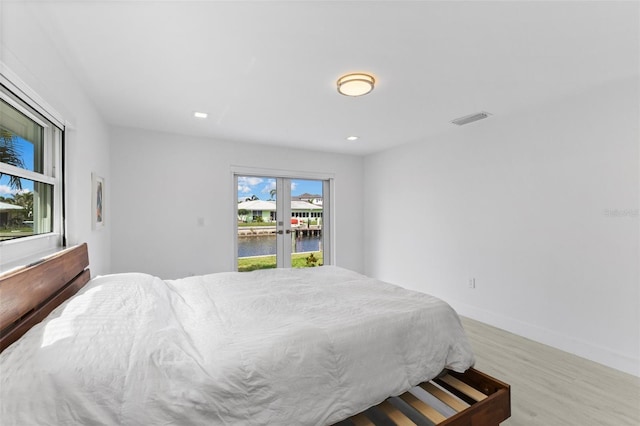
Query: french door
282	222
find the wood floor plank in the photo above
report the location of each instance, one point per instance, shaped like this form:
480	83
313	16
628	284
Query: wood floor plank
552	387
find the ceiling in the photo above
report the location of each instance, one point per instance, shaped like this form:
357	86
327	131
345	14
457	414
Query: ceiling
266	71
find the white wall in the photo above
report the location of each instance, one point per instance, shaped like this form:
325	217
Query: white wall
540	207
27	51
162	183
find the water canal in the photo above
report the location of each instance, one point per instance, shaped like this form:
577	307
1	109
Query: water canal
266	244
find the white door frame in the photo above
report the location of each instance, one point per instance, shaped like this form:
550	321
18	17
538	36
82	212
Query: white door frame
280	176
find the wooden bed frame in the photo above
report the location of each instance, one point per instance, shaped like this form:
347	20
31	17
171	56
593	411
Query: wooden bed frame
30	293
475	398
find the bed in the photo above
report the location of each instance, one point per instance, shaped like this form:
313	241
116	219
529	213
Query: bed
311	346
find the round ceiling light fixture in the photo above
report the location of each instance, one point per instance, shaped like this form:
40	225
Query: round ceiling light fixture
355	84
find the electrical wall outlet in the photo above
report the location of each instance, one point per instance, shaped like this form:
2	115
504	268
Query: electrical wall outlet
472	283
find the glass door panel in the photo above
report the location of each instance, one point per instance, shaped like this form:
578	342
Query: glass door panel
306	223
256	223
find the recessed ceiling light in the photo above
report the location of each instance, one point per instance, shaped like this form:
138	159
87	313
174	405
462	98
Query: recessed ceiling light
352	138
200	114
355	84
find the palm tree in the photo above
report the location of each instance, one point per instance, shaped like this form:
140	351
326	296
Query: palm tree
25	200
9	154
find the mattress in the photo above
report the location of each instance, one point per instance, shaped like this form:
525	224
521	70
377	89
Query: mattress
308	346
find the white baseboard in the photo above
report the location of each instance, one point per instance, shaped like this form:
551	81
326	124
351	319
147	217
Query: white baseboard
548	337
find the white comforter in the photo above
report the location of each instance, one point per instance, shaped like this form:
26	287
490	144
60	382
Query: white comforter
275	347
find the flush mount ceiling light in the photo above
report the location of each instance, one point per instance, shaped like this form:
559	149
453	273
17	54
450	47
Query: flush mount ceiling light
352	138
200	114
355	84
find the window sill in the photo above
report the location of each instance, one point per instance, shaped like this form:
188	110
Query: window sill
25	251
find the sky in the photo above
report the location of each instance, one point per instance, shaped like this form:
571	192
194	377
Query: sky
261	187
25	149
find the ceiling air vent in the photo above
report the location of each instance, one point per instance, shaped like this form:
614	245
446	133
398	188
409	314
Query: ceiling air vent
470	118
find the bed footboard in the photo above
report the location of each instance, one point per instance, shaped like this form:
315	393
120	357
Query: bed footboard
471	398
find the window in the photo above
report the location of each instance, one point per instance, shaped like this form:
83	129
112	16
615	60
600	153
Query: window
30	178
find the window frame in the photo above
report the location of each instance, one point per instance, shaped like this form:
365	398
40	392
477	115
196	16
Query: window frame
19	251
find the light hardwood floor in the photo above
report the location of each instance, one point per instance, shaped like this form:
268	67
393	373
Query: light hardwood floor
553	388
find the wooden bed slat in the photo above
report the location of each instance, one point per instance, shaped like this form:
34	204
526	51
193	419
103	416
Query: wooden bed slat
29	294
423	408
394	414
450	400
489	412
362	420
463	387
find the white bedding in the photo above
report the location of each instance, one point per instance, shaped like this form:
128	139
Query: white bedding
275	347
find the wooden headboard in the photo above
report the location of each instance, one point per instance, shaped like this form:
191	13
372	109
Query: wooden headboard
29	294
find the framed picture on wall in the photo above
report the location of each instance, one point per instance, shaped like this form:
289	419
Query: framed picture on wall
97	201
